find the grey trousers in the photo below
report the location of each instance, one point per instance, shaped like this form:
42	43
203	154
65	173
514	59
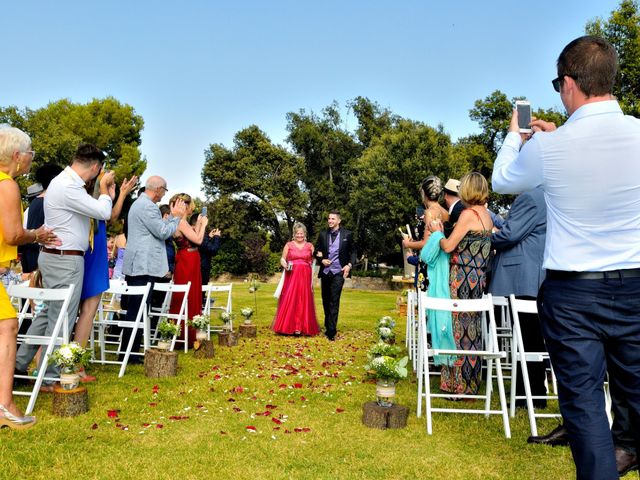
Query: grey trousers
57	272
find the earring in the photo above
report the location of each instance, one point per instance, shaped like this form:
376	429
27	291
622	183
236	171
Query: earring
18	166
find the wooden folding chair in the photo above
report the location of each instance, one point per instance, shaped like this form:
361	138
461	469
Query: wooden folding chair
59	335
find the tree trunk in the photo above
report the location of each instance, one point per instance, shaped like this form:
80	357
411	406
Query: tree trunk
203	349
160	363
228	339
69	403
248	331
375	416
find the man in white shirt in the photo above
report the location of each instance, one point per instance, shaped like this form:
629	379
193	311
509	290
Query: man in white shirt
453	203
68	210
589	302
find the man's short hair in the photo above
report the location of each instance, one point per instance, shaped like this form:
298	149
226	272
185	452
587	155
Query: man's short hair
165	209
46	173
336	213
88	153
593	64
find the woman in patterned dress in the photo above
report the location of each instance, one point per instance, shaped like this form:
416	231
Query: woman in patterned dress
470	246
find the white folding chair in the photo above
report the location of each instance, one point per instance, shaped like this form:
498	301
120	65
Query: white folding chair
421	348
106	318
179	318
216	294
504	331
490	353
59	335
410	332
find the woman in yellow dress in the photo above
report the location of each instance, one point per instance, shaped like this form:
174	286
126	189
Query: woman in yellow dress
15	160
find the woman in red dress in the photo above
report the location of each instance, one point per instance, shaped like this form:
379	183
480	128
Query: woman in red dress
187	238
296	314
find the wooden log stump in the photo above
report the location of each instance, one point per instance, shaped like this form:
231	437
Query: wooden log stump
203	349
248	331
228	339
402	310
69	403
160	363
375	416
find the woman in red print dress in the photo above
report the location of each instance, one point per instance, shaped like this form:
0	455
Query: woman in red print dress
296	314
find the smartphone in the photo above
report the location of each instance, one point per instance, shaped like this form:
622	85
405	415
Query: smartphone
204	211
524	115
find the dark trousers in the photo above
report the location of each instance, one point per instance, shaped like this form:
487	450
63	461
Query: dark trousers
132	304
591	326
331	286
621	429
533	342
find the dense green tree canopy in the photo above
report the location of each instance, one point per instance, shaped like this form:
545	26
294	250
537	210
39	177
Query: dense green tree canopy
57	129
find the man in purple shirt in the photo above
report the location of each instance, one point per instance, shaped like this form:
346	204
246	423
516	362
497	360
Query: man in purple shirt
336	255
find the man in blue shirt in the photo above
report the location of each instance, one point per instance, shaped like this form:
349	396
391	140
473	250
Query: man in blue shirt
589	305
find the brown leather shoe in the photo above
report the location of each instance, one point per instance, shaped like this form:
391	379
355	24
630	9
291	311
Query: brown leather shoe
557	436
625	461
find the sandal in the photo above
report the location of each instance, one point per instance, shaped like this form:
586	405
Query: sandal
8	419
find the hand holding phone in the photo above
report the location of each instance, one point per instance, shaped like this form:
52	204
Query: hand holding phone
523	108
204	211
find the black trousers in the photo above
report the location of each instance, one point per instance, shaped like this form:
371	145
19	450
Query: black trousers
331	286
591	326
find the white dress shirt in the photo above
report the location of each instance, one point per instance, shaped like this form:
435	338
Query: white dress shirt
68	208
589	169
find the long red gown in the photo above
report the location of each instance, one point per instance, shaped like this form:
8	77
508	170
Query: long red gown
296	312
187	270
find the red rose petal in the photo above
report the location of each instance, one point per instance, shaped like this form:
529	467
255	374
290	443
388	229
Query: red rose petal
222	432
112	413
153	404
306	429
94	426
271	407
276	421
297	430
303	399
251	429
339	410
159	425
297	385
136	390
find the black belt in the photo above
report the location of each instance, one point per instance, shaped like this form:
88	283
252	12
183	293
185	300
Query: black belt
54	251
608	275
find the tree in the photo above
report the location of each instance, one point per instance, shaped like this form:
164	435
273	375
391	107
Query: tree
257	172
327	151
622	29
386	178
57	129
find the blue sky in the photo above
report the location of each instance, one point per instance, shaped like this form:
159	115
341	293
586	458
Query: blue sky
199	71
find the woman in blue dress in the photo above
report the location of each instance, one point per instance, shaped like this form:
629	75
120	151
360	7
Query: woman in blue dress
96	272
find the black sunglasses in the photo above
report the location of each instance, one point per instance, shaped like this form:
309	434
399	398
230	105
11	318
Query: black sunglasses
556	82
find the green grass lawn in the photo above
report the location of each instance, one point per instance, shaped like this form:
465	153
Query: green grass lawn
303	397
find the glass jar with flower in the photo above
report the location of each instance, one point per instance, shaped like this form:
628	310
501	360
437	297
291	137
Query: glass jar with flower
387	371
247	312
69	358
166	331
201	323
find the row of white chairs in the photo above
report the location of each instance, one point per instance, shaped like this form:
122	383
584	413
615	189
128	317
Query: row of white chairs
502	350
109	315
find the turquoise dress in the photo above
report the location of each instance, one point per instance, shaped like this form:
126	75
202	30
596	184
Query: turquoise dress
439	322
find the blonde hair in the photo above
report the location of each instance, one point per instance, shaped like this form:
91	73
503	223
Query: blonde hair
299	226
474	189
12	140
184	196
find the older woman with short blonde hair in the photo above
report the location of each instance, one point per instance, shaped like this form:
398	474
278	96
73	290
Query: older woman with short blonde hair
15	160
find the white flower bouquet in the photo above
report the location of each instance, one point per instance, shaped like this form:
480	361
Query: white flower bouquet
200	322
70	357
387	367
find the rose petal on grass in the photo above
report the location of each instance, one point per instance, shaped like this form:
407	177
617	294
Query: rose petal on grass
231	400
270	407
112	413
153	404
297	385
223	432
251	428
339	410
178	417
276	420
306	429
136	390
303	399
94	426
155	389
159	425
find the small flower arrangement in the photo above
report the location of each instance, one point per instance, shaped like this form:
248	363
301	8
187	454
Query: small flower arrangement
226	317
382	349
386	321
254	288
167	330
200	322
246	312
70	357
387	367
386	334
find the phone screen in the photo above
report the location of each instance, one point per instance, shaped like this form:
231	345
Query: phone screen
524	115
204	211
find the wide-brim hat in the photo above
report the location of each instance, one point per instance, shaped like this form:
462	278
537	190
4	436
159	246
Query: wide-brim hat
452	186
34	190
